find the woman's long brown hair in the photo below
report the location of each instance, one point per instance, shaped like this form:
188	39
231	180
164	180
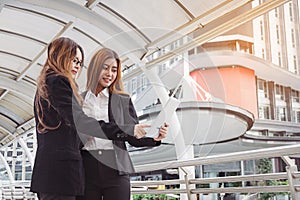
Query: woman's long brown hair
61	53
96	65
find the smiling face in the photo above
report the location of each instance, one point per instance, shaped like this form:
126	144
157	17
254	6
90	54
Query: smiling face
108	74
104	71
76	63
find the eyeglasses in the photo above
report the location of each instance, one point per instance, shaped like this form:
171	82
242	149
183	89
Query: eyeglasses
77	62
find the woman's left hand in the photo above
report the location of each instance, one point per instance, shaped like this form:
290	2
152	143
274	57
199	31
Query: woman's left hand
163	130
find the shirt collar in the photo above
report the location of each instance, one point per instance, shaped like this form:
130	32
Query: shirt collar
105	92
90	94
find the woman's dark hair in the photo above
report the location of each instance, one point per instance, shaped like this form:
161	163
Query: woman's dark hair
61	53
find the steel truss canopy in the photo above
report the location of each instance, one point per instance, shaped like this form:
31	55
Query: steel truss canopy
135	29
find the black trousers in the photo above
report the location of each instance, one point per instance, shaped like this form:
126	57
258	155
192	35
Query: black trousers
102	179
46	196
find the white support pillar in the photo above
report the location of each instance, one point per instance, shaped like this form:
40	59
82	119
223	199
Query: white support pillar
8	170
27	151
23	171
183	151
201	175
14	158
242	171
188	94
187	173
34	144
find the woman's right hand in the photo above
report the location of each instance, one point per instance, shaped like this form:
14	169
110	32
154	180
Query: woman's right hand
139	131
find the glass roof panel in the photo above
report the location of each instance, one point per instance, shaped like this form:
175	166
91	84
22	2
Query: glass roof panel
24	110
11	62
7	123
199	7
34	70
29	24
87	43
125	28
19	46
148	15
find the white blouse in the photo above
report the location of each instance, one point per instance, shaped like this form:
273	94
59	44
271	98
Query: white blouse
97	107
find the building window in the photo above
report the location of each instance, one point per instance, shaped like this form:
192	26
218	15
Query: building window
281	113
293	38
263	53
296	116
191	52
176	44
172	61
291	12
279	92
276	12
133	86
279	59
261	1
162	68
264	132
262	88
9	153
295	96
261	30
264	112
30	144
279	165
144	82
277	34
295	65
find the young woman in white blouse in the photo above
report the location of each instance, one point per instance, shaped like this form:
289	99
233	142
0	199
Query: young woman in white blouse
107	162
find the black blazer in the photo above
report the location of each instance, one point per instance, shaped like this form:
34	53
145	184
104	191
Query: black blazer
122	112
58	167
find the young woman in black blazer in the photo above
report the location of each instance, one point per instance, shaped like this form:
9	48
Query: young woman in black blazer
58	170
107	163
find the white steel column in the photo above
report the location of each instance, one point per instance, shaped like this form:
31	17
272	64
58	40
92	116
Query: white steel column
23	170
183	151
27	151
188	94
8	170
242	171
14	158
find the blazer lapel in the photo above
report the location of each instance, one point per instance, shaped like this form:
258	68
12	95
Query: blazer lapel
115	113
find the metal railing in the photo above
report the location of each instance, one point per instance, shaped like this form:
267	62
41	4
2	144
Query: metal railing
21	191
10	192
291	174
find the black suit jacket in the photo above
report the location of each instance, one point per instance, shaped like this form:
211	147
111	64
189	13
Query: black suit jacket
58	167
122	112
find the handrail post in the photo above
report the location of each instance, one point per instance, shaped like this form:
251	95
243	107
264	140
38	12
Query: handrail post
186	179
291	168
